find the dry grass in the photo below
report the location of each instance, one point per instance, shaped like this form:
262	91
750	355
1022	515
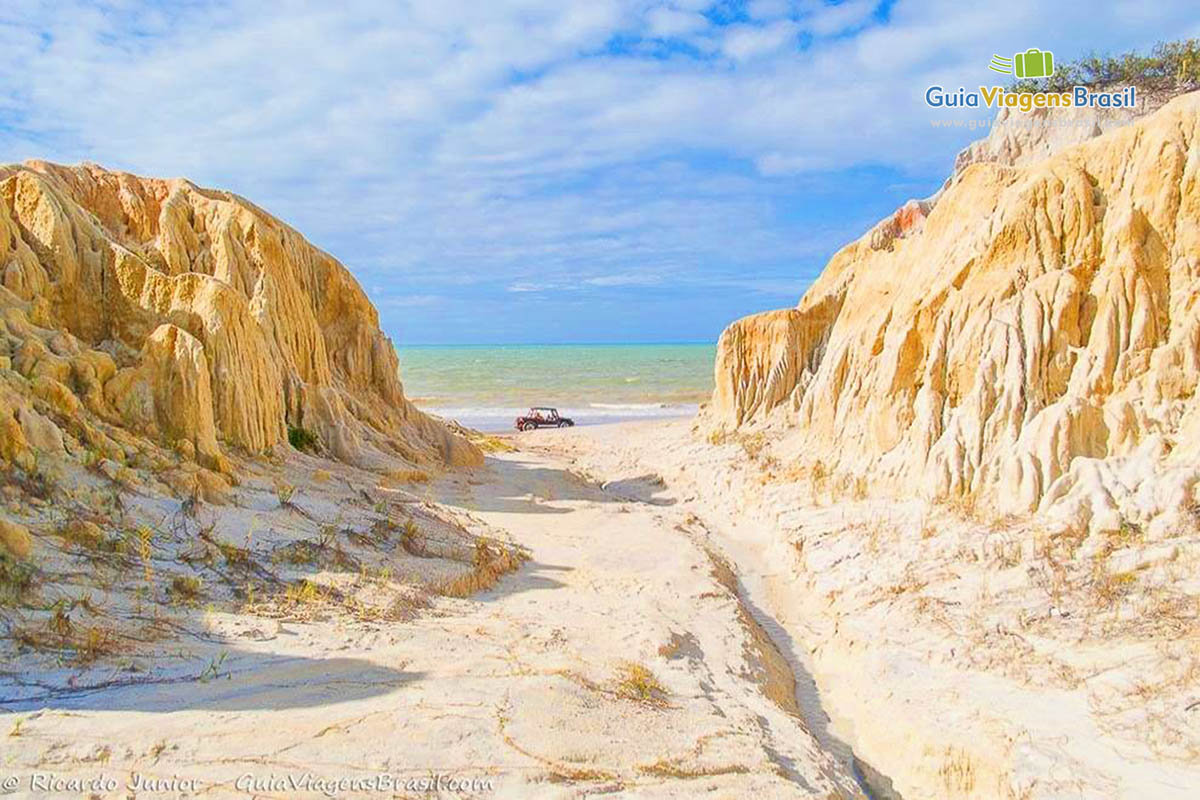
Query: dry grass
1110	588
302	598
59	633
673	646
908	583
718	436
408	605
322	552
81	533
957	773
753	444
492	562
400	477
492	444
674	769
965	505
39	484
284	492
636	681
235	556
1002	551
1127	534
818	475
411	540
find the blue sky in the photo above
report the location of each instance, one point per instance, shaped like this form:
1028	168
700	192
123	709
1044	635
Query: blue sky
539	170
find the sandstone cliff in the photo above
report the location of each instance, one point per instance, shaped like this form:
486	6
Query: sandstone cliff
136	310
1028	338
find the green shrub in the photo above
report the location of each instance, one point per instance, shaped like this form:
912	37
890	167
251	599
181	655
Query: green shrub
16	579
302	439
1172	67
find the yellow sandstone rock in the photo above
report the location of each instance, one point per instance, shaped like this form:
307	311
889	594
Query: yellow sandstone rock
190	316
15	539
1033	342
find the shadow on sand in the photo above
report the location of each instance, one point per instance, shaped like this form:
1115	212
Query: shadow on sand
874	784
240	681
530	488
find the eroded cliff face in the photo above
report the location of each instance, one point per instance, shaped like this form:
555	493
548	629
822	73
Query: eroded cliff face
136	309
1029	338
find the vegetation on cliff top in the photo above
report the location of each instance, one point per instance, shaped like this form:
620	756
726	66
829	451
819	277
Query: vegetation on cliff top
1171	67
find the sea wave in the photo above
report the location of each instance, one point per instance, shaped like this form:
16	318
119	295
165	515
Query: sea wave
632	406
501	418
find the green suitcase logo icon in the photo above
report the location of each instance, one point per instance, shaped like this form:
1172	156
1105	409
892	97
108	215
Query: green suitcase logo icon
1034	63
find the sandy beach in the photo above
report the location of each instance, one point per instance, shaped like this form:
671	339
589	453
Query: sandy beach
674	627
619	658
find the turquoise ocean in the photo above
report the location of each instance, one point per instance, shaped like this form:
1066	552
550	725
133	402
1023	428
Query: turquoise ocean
487	386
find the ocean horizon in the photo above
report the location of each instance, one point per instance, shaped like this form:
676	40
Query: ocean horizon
485	386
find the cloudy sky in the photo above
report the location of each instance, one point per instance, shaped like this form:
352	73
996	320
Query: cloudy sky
539	170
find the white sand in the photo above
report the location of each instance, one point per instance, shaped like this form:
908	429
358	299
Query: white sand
960	657
519	685
944	651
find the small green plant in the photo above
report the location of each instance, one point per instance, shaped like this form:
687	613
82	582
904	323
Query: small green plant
303	439
234	556
1129	532
213	670
186	589
16	580
302	594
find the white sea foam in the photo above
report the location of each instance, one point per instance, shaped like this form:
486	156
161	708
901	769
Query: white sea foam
636	406
498	419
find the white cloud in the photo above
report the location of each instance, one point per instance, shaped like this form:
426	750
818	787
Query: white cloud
625	279
768	9
665	21
749	41
522	143
826	20
408	300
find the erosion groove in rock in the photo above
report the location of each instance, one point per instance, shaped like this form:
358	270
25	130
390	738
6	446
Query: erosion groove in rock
1029	337
163	310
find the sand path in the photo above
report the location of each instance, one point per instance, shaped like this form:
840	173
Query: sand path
535	688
